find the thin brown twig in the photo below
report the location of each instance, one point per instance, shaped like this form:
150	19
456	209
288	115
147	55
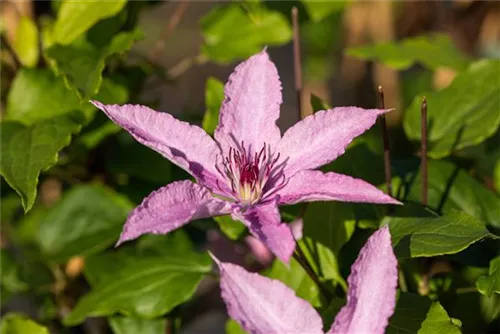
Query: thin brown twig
423	150
172	23
11	51
387	145
297	69
185	64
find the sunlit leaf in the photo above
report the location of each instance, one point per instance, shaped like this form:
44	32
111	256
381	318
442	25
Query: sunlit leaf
438	321
257	27
15	323
81	64
463	114
26	42
128	325
28	150
232	327
431	51
36	94
318	10
233	229
76	17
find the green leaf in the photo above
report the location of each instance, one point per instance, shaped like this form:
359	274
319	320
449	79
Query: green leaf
496	176
74	17
14	323
26	42
431	51
87	220
438	321
36	94
104	266
214	95
327	227
318	10
28	150
128	325
10	277
233	229
27	226
172	243
417	234
463	114
81	64
451	189
295	277
257	27
140	162
318	104
232	327
146	287
411	311
488	285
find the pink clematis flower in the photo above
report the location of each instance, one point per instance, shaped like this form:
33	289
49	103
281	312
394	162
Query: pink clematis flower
249	169
263	305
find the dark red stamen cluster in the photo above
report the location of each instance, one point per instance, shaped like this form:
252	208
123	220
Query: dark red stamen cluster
248	175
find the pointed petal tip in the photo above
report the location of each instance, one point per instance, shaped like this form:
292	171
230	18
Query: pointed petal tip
97	104
384	111
120	241
246	296
391	200
261	56
396	202
216	260
373	280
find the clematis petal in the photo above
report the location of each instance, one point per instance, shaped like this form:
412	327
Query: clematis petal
260	252
263	305
372	288
251	106
312	185
170	207
186	145
264	222
322	137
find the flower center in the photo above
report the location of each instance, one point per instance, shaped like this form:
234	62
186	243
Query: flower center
251	178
